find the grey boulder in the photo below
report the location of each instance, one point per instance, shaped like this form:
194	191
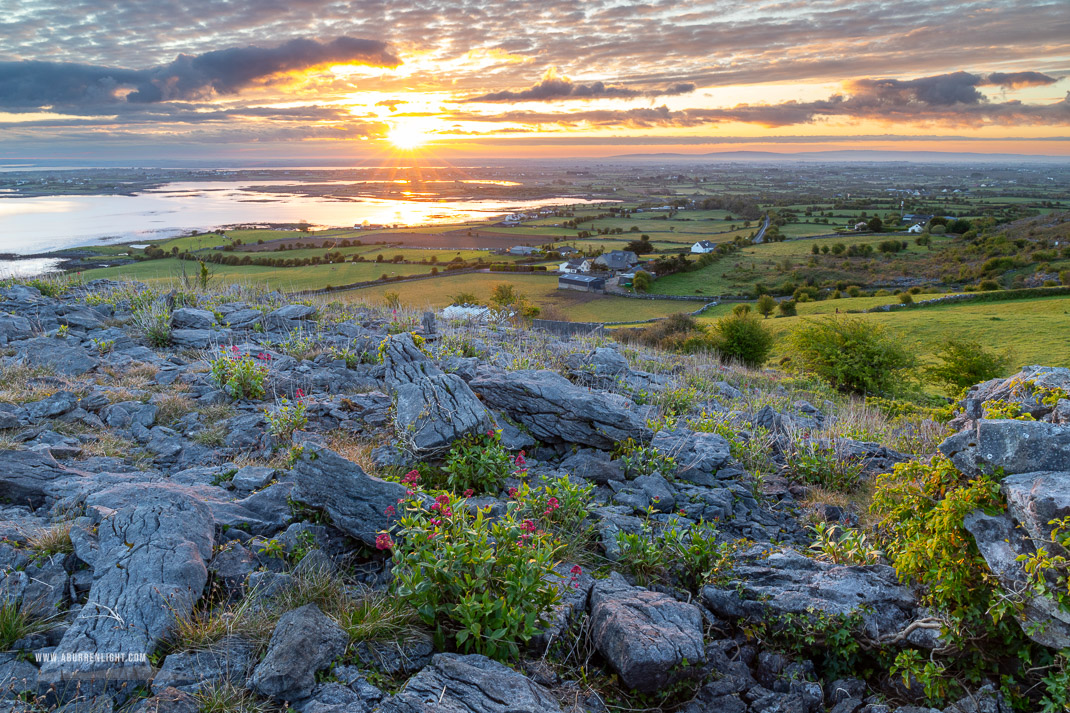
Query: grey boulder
470	684
650	639
555	410
304	641
356	501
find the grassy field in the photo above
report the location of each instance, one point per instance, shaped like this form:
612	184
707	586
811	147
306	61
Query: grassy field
287	279
1027	327
765	263
539	289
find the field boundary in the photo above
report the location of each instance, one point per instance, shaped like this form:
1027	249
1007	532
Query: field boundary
993	296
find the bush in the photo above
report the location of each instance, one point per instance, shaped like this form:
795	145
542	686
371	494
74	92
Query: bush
966	362
485	586
642	281
922	507
480	463
853	354
765	305
741	336
239	375
813	463
787	308
906	298
988	285
286	418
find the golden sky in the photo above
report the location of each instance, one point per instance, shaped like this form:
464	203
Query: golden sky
511	78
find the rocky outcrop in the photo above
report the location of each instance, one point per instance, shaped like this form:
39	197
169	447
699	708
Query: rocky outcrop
650	639
556	411
149	557
470	684
1010	445
432	408
355	501
304	641
786	582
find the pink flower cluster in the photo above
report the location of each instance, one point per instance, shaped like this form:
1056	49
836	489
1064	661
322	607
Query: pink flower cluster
264	356
551	505
576	571
383	541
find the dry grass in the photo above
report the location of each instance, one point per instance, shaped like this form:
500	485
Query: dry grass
171	406
229	697
51	540
378	616
21	383
353	449
137	376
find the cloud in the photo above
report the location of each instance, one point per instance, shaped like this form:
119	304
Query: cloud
947	99
187	77
555	87
1017	80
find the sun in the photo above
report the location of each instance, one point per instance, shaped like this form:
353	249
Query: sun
407	136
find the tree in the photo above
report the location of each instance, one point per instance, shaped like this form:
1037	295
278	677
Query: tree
741	336
853	354
640	246
766	305
504	294
875	224
787	308
965	363
642	281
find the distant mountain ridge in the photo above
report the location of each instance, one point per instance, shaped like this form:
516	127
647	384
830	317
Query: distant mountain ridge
842	156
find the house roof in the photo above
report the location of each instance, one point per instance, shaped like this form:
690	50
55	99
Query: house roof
705	243
576	261
619	259
581	279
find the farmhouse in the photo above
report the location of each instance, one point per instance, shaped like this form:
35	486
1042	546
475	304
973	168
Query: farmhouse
617	260
566	250
522	250
703	246
575	266
582	283
916	228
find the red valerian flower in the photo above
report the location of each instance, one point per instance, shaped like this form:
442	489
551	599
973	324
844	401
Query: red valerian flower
390	511
443	499
411	477
383	541
528	525
300	393
513	492
576	570
470	492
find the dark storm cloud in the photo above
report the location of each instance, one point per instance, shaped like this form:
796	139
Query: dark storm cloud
554	88
219	72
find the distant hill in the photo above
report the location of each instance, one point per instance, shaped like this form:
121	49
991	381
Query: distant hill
845	155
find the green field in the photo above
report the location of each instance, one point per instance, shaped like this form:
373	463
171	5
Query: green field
539	289
308	277
1034	330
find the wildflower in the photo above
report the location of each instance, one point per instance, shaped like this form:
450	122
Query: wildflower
528	525
470	492
519	460
390	511
576	570
300	393
234	349
443	499
513	492
383	541
411	478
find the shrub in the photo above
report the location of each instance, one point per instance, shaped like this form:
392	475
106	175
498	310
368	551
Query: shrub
239	374
692	558
391	299
464	298
741	336
853	354
787	308
988	285
765	305
485	586
815	463
906	298
642	281
287	418
480	463
965	362
153	319
922	507
843	545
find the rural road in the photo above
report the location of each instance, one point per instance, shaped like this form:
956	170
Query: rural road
761	233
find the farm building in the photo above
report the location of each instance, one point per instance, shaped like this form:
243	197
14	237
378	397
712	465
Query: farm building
582	283
916	228
617	260
575	266
703	247
522	250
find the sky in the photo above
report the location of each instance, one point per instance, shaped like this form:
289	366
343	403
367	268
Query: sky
239	79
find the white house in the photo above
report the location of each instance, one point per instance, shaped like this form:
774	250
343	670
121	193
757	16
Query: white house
703	246
916	228
522	250
574	266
